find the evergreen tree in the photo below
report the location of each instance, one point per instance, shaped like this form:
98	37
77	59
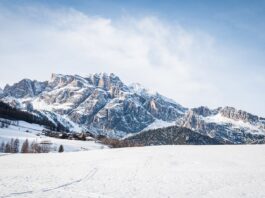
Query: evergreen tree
61	149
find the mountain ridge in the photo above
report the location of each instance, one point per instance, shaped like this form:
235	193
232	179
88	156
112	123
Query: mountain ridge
102	104
101	101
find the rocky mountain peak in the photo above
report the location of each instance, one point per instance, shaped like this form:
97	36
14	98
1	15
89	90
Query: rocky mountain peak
232	113
59	80
140	89
203	111
226	124
98	80
106	81
99	102
25	88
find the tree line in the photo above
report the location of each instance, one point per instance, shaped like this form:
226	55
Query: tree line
13	146
11	113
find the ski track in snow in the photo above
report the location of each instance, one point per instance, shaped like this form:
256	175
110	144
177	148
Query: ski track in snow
62	186
88	176
161	171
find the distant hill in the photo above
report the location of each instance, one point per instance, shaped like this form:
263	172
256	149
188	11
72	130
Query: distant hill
172	135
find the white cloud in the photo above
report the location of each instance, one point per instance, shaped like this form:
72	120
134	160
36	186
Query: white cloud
165	57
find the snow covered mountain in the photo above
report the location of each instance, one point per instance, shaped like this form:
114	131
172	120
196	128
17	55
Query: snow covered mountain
103	104
226	124
99	103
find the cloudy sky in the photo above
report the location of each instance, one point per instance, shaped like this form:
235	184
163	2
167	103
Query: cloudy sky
206	53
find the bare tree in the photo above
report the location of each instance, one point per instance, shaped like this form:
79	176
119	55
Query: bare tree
45	148
35	147
16	146
12	147
25	147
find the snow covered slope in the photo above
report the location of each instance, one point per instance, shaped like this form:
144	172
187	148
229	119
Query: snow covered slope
32	133
162	171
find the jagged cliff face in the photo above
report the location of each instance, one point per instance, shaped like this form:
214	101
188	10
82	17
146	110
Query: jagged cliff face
99	102
103	104
25	88
227	124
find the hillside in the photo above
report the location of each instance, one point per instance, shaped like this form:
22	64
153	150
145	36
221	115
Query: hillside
12	113
171	136
22	130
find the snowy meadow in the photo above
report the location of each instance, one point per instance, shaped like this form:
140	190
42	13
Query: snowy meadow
160	171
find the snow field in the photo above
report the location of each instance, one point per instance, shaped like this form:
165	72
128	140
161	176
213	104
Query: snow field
162	171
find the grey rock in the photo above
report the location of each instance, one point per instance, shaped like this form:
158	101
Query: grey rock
234	114
25	88
1	92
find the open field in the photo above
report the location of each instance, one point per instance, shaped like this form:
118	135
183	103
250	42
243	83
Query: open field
162	171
